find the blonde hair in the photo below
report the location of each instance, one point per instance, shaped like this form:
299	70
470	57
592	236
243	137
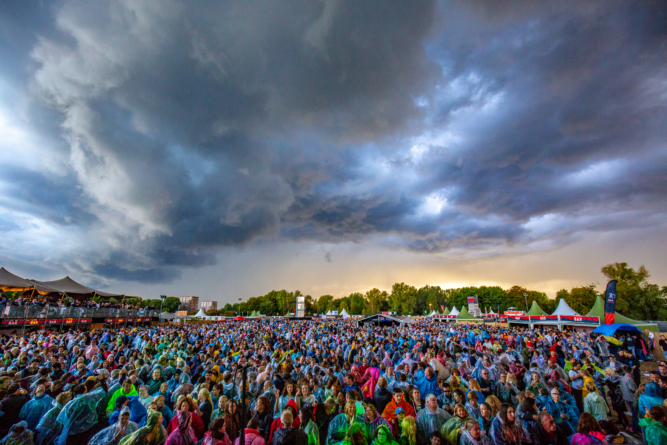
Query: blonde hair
207	396
409	427
474	385
590	386
494	403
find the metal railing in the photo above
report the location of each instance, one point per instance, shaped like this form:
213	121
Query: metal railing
51	312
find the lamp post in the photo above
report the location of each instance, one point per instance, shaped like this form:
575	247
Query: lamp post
525	296
240	313
159	317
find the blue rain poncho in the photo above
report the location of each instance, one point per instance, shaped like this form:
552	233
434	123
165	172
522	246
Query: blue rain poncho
110	435
79	415
48	428
137	411
25	438
33	411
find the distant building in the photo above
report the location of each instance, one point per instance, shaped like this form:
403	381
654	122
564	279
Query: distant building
209	305
190	304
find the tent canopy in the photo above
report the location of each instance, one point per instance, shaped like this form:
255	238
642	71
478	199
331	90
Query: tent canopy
432	314
13	283
535	309
598	311
446	311
465	315
454	311
201	313
344	314
239	318
565	309
611	329
70	286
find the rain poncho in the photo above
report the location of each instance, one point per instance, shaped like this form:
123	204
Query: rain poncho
467	439
338	429
112	401
655	433
597	406
108	435
313	433
557	408
649	399
184	434
370	427
25	438
33	411
48	428
79	415
450	430
428	422
137	410
153	424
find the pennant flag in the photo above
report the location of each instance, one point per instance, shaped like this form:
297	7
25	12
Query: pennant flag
610	302
442	307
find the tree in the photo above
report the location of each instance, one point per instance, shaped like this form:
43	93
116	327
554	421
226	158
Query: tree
322	303
356	303
403	298
268	307
582	298
635	296
376	300
170	304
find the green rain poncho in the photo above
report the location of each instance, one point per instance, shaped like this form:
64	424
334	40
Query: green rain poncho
119	392
313	433
450	430
108	435
140	437
655	433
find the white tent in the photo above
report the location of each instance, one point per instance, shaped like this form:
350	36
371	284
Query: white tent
201	314
491	312
454	311
329	313
344	314
565	309
432	314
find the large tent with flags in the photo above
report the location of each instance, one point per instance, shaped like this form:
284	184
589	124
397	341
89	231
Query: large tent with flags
598	311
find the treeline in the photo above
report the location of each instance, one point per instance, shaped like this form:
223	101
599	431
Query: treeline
636	298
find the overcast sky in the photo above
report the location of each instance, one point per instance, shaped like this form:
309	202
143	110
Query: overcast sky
228	148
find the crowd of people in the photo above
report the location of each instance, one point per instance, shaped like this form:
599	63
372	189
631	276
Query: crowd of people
327	382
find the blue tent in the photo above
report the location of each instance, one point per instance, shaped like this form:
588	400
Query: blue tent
611	329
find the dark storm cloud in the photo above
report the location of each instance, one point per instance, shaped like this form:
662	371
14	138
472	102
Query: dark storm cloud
189	127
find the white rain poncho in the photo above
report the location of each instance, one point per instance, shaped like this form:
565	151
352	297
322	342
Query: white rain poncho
79	415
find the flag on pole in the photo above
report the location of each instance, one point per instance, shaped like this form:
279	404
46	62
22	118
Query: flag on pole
610	302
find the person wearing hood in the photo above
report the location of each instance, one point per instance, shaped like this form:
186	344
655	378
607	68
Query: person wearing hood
288	434
655	426
473	435
430	419
649	399
152	434
278	424
79	416
32	411
594	403
115	433
372	420
452	427
183	434
18	434
48	428
185	405
397	401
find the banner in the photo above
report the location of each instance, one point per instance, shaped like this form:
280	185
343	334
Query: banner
442	307
610	302
473	306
